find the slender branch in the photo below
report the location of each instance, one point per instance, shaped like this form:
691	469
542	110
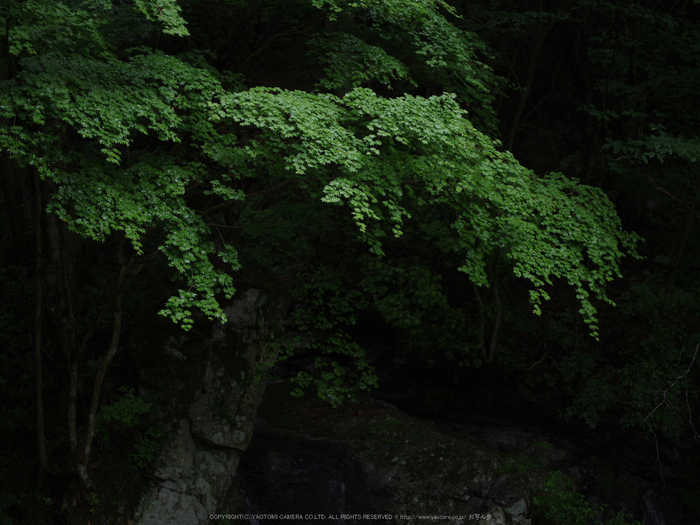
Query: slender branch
106	359
499	308
664	393
81	457
541	35
665	401
691	209
533	365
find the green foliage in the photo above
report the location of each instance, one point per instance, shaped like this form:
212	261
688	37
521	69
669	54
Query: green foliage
126	415
429	43
654	382
652	148
123	414
93	501
165	11
145	450
559	503
106	99
634	69
399	153
520	464
411	299
135	138
643	103
389	429
379	157
341	369
353	62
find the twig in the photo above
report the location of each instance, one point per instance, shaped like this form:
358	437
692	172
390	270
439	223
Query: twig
533	365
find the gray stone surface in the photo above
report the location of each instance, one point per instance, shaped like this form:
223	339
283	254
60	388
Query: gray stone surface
204	393
369	457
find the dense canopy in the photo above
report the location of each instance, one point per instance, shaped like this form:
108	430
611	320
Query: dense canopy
369	158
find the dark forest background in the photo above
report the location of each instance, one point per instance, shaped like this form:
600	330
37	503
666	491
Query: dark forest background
97	95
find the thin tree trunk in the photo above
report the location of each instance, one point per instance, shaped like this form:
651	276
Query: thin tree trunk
106	359
482	322
489	354
497	323
38	315
17	202
63	272
57	297
59	269
525	90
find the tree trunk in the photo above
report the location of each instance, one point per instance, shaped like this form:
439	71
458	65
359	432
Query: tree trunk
17	205
38	317
527	88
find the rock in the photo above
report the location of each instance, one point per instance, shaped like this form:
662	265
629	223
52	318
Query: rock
204	393
368	457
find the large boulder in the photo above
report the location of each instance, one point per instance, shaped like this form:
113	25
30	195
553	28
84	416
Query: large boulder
368	462
204	387
368	458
